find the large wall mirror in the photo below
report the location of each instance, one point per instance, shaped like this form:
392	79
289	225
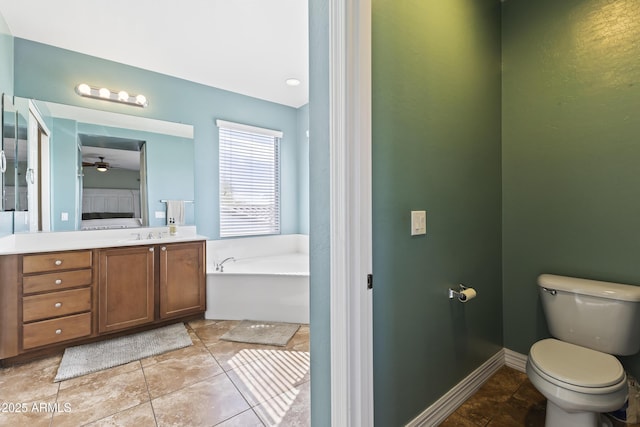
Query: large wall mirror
113	182
80	169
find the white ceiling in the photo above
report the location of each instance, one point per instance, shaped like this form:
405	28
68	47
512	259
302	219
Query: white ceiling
245	46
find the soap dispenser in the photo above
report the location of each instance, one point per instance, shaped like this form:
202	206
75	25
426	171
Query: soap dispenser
173	230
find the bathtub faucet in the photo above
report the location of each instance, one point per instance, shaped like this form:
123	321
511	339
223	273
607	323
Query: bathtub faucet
220	267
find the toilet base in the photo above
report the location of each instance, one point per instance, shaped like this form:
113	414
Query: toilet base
557	417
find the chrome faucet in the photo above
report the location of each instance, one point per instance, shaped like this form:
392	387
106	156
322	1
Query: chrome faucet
150	236
220	267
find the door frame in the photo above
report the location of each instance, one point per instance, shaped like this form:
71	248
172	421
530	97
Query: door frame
351	313
38	170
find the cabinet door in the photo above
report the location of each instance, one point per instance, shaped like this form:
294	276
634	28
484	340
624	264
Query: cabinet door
182	279
10	321
126	288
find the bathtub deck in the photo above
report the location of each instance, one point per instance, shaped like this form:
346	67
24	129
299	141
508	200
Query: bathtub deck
295	264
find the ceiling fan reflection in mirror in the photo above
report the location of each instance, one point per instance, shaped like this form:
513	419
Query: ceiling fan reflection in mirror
101	165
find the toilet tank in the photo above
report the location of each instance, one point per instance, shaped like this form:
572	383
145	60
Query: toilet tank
602	316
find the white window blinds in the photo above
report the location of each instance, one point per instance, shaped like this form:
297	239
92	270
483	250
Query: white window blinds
249	180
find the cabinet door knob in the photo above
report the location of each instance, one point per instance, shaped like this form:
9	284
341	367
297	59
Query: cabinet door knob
58	262
58	281
150	249
58	305
58	331
164	248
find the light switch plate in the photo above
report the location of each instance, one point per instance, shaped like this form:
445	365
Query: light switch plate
160	214
418	223
64	216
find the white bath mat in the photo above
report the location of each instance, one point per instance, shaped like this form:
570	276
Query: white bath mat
94	357
256	332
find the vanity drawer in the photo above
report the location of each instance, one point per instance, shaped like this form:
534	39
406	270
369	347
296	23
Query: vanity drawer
55	261
56	330
54	304
55	281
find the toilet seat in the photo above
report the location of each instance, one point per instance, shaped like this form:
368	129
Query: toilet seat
576	368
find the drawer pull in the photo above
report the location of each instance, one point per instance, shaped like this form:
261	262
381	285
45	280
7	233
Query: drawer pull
150	249
58	262
58	331
58	281
164	248
58	305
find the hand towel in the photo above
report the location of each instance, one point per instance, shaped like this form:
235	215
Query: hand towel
175	210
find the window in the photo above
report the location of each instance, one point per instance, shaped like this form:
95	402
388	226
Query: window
249	180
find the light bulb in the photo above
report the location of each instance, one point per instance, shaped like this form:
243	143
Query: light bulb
104	93
123	96
84	89
141	99
292	82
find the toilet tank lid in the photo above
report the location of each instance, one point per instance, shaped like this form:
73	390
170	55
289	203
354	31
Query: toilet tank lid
615	291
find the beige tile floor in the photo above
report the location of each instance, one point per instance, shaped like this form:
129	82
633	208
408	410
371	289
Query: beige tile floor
220	383
212	383
507	399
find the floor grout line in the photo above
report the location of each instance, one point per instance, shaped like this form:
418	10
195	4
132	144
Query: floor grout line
153	411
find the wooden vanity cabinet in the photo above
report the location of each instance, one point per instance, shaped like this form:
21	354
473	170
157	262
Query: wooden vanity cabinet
126	287
132	279
182	279
57	298
52	300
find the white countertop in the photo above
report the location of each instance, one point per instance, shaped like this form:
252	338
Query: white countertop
72	240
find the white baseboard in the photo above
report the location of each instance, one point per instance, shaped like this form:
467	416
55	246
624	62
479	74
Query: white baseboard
450	401
517	361
447	404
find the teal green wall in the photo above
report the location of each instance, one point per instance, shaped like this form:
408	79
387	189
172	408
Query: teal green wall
436	147
571	120
51	74
6	86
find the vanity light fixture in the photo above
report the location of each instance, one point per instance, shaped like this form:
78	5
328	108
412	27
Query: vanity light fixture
122	96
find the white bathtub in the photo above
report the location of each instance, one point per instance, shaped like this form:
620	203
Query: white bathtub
269	279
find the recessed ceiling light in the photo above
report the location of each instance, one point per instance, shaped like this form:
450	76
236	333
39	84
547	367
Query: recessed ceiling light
293	82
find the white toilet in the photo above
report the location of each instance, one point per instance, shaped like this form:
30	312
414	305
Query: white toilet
576	372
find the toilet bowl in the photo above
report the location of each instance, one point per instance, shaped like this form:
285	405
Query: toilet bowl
576	371
579	383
